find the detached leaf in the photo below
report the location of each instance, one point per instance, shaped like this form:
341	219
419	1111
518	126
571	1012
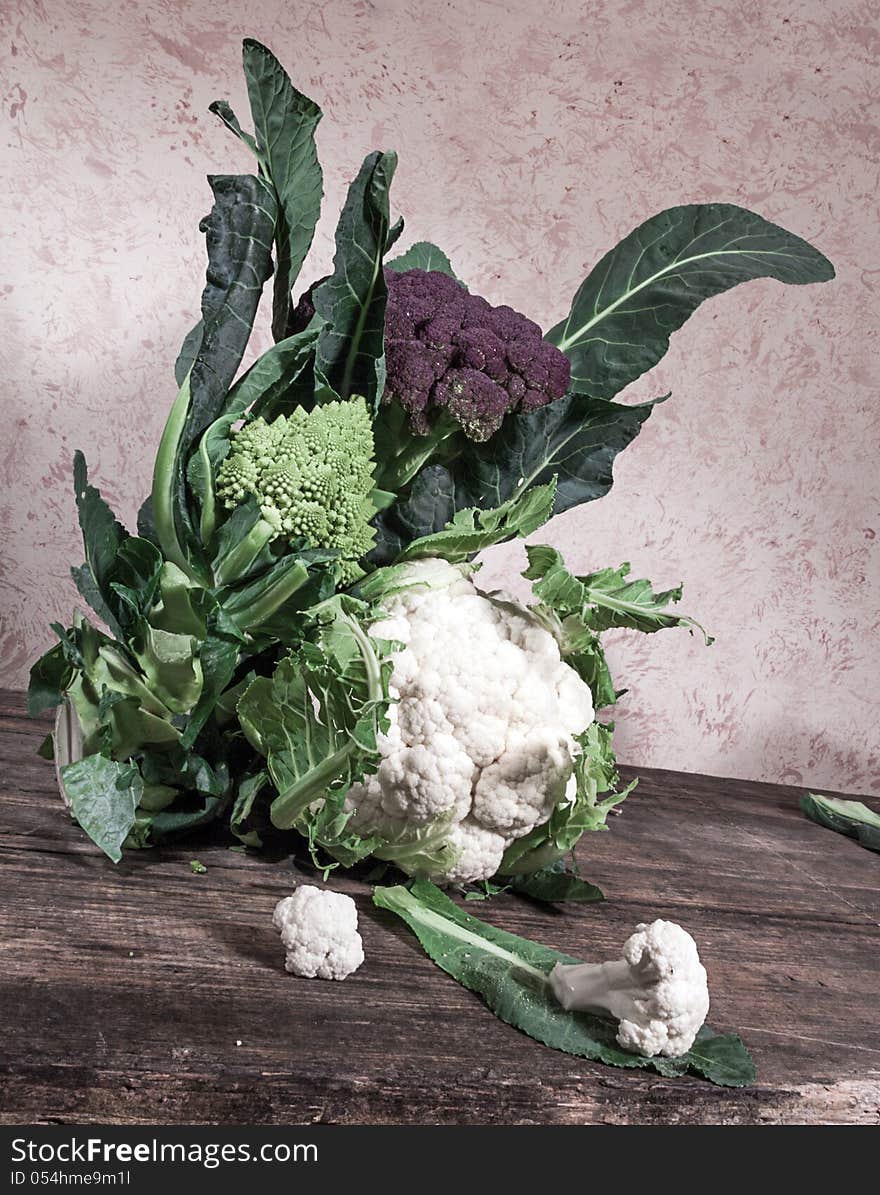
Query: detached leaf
510	974
285	123
103	797
351	347
643	290
852	818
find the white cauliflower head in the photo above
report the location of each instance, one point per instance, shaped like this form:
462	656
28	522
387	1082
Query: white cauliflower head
658	991
319	930
481	742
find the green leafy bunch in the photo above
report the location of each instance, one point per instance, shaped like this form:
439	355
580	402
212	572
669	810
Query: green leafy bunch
226	670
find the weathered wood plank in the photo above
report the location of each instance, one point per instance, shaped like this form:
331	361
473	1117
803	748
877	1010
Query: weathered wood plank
125	990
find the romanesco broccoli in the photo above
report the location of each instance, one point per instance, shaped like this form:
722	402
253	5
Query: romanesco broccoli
312	473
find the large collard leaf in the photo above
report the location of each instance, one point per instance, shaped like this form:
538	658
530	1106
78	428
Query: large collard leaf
103	797
852	818
423	256
643	290
317	717
350	355
285	123
573	440
510	973
189	350
239	233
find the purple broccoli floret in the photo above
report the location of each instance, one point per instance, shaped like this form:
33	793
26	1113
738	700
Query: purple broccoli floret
450	350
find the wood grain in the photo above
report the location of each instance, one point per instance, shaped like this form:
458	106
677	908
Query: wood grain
142	993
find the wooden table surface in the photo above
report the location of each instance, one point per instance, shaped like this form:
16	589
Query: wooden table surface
142	993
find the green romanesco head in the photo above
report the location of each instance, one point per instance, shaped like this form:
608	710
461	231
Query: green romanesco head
312	473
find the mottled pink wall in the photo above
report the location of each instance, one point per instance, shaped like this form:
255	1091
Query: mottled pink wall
531	138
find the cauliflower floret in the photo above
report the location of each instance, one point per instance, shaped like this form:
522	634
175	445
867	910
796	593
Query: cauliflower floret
424	782
520	790
482	728
319	931
658	991
479	852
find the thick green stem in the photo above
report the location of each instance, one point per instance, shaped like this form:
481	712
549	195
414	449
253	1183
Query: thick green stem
164	483
271	599
289	806
239	559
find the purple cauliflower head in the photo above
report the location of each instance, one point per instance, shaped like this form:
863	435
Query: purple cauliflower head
446	349
449	350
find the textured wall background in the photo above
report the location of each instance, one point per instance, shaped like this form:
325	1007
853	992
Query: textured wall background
530	141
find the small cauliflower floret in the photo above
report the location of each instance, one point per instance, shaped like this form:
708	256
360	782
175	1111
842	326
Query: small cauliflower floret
480	745
658	991
319	930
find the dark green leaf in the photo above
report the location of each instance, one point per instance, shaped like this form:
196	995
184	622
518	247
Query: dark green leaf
219	655
50	676
472	530
852	818
189	350
103	797
222	109
574	440
510	974
239	233
423	256
89	591
285	123
395	232
351	347
102	533
267	387
555	883
249	788
647	286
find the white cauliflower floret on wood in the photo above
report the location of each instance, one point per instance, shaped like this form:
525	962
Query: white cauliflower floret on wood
483	722
658	991
319	931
